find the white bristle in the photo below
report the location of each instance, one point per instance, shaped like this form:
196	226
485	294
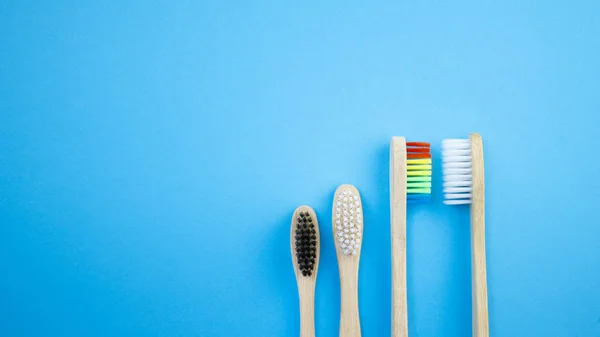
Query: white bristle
458	183
457	172
457	164
455	159
452	171
458	195
351	218
458	189
457	177
457	202
456	146
455	153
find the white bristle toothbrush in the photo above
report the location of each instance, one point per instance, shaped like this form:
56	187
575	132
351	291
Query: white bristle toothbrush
410	183
464	184
304	242
347	219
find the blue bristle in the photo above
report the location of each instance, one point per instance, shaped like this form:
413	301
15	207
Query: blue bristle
418	196
417	201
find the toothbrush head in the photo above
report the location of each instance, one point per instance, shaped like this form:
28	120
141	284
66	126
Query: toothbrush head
457	168
418	172
305	233
347	220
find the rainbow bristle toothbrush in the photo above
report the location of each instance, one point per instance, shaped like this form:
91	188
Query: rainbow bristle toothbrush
347	222
418	174
410	183
304	243
464	184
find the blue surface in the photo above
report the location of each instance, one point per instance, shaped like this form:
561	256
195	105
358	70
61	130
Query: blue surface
152	153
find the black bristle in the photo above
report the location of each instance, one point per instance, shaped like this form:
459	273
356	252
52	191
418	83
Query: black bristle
305	243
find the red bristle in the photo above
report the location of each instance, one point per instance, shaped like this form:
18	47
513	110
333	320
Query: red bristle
420	144
418	155
417	150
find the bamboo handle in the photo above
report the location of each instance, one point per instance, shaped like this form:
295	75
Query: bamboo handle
478	264
307	307
349	317
398	234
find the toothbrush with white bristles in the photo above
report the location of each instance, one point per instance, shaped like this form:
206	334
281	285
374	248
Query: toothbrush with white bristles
464	185
347	221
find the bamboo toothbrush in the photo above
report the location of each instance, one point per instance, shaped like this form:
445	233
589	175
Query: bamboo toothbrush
410	183
464	184
304	242
347	219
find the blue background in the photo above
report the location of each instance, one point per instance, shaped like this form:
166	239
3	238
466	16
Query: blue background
152	153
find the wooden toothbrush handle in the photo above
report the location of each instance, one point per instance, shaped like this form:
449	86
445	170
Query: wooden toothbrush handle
349	317
478	264
307	307
398	234
399	299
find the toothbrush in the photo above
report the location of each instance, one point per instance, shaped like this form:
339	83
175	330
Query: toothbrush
464	184
304	242
347	221
410	183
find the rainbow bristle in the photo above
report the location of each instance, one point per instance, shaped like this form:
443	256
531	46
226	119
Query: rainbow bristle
418	172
